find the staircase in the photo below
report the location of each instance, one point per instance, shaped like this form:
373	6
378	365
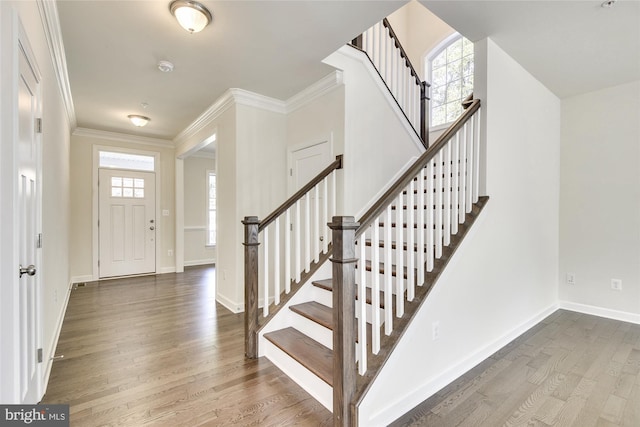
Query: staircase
332	328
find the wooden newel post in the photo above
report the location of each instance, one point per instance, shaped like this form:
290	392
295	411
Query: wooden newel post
251	245
344	317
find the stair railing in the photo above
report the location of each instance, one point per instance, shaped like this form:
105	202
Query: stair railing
285	248
388	56
418	216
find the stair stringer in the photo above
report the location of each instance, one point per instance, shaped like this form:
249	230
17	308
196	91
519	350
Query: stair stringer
285	317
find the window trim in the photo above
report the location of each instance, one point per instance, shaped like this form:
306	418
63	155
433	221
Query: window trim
428	59
208	243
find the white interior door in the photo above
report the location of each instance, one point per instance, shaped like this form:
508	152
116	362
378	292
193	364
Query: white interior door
28	210
308	162
127	223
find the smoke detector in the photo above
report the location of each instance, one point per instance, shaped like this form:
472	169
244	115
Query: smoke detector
165	66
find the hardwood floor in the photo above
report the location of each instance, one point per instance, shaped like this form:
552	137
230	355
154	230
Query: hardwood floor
569	370
158	351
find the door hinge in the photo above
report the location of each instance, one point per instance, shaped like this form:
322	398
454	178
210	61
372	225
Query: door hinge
39	355
98	223
98	263
38	125
290	172
39	241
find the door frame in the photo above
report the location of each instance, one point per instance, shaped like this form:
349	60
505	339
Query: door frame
13	37
95	196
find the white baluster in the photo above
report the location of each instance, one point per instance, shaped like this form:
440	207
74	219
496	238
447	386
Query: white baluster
307	232
463	175
439	203
411	250
296	242
400	254
430	214
334	206
362	307
316	224
276	261
287	250
446	214
470	162
476	157
375	287
420	228
265	306
455	182
388	265
325	218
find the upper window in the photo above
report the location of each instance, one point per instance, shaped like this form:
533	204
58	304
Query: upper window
450	69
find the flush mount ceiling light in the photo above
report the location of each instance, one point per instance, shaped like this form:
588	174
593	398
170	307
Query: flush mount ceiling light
165	66
608	4
191	15
138	120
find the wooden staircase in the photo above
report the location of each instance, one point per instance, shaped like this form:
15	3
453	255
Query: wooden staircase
317	357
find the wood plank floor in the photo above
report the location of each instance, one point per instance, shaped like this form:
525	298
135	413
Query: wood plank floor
569	370
159	351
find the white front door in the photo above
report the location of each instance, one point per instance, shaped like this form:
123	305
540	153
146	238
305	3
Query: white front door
127	223
28	210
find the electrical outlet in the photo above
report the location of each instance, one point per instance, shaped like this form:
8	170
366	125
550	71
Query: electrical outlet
571	279
616	284
55	295
435	330
170	252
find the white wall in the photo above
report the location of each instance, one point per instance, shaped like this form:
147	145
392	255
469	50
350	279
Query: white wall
378	142
600	201
82	200
54	270
503	279
196	193
419	31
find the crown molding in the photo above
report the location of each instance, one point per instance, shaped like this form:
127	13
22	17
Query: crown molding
53	34
209	115
252	99
123	137
316	90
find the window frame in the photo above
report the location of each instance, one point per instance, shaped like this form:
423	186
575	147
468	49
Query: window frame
428	61
211	227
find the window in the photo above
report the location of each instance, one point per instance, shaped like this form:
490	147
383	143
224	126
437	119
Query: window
110	159
451	73
127	187
211	205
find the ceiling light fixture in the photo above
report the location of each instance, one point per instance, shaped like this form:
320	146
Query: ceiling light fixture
608	4
191	15
165	66
138	120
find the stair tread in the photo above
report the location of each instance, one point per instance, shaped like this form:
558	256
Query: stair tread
327	285
311	354
319	313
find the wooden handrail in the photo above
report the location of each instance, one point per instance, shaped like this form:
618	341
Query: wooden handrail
403	53
337	164
410	173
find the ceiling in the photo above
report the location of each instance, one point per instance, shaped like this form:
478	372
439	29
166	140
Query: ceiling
571	46
275	48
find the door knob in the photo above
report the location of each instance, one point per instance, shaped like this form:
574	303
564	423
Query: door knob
152	228
30	270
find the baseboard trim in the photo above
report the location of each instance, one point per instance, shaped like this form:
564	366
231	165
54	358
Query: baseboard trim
608	313
166	270
199	262
409	401
56	338
82	279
